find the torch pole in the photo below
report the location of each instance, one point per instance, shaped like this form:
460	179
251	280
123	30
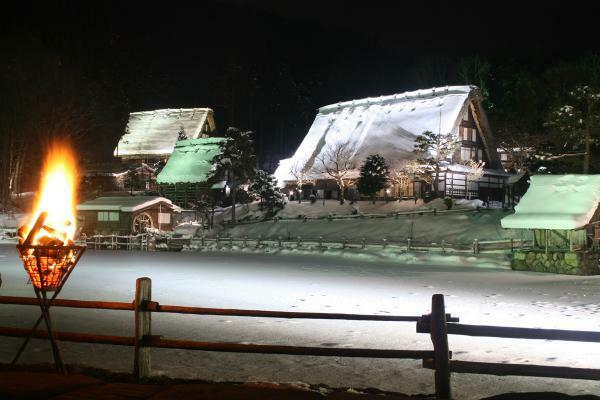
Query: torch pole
45	307
41	317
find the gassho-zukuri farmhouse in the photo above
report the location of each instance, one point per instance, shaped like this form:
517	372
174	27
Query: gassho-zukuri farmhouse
388	126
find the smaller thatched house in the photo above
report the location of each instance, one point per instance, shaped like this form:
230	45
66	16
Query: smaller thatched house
186	176
126	215
562	213
150	136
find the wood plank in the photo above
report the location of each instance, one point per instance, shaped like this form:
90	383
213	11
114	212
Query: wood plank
71	336
157	307
101	305
502	369
154	341
523	333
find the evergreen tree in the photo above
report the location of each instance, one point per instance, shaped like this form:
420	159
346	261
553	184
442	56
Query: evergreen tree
264	186
578	120
433	149
181	135
235	162
374	176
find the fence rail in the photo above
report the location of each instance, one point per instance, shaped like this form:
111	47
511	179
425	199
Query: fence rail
438	324
115	242
407	245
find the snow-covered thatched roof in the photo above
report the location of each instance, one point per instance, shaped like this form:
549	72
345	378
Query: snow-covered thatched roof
191	161
123	203
154	133
388	125
556	202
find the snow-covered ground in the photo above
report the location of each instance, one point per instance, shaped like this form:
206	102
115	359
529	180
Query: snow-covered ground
454	228
312	283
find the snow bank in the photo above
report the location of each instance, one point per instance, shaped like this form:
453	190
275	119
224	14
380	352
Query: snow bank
455	228
556	202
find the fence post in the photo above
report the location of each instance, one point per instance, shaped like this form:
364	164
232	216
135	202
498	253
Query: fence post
217	241
364	242
320	242
279	241
443	245
143	328
439	337
258	241
434	212
384	240
344	242
202	240
231	241
512	245
476	246
245	243
408	244
299	241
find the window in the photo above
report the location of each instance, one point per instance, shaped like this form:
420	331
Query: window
474	135
108	216
164	218
465	153
504	157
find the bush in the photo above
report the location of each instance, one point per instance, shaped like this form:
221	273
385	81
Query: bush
448	202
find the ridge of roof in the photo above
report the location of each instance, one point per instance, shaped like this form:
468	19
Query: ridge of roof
420	94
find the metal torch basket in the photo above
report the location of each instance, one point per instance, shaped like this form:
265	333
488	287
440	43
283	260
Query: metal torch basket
49	266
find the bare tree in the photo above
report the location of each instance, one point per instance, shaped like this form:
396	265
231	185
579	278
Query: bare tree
302	176
336	161
474	173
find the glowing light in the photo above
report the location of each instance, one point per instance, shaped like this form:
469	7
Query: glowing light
56	196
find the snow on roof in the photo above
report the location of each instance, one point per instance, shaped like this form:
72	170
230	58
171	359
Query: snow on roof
191	161
556	202
122	203
386	125
154	133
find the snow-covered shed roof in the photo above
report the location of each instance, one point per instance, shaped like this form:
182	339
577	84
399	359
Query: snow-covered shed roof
154	133
556	202
388	125
123	203
191	161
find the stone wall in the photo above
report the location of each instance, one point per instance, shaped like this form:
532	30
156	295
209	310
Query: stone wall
558	262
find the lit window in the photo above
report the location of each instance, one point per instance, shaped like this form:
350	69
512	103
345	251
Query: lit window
105	216
164	218
465	153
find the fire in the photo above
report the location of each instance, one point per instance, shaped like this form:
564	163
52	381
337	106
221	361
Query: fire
56	197
46	243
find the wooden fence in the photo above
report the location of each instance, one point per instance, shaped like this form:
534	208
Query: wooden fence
332	217
321	243
117	242
438	324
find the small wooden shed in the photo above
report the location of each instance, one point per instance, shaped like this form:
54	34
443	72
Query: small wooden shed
126	215
562	214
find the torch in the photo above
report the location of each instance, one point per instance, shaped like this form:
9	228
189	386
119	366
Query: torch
46	247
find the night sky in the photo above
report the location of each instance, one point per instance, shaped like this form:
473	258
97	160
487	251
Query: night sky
268	65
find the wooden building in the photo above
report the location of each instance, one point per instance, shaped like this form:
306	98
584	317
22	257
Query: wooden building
186	178
150	136
126	215
561	215
389	125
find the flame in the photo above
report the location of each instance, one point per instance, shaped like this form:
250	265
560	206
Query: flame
56	196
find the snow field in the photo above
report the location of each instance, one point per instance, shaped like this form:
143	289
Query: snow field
310	283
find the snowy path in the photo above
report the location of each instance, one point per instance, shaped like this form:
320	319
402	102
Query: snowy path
476	295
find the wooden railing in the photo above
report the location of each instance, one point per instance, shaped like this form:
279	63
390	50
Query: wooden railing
321	243
144	339
116	242
439	328
438	324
